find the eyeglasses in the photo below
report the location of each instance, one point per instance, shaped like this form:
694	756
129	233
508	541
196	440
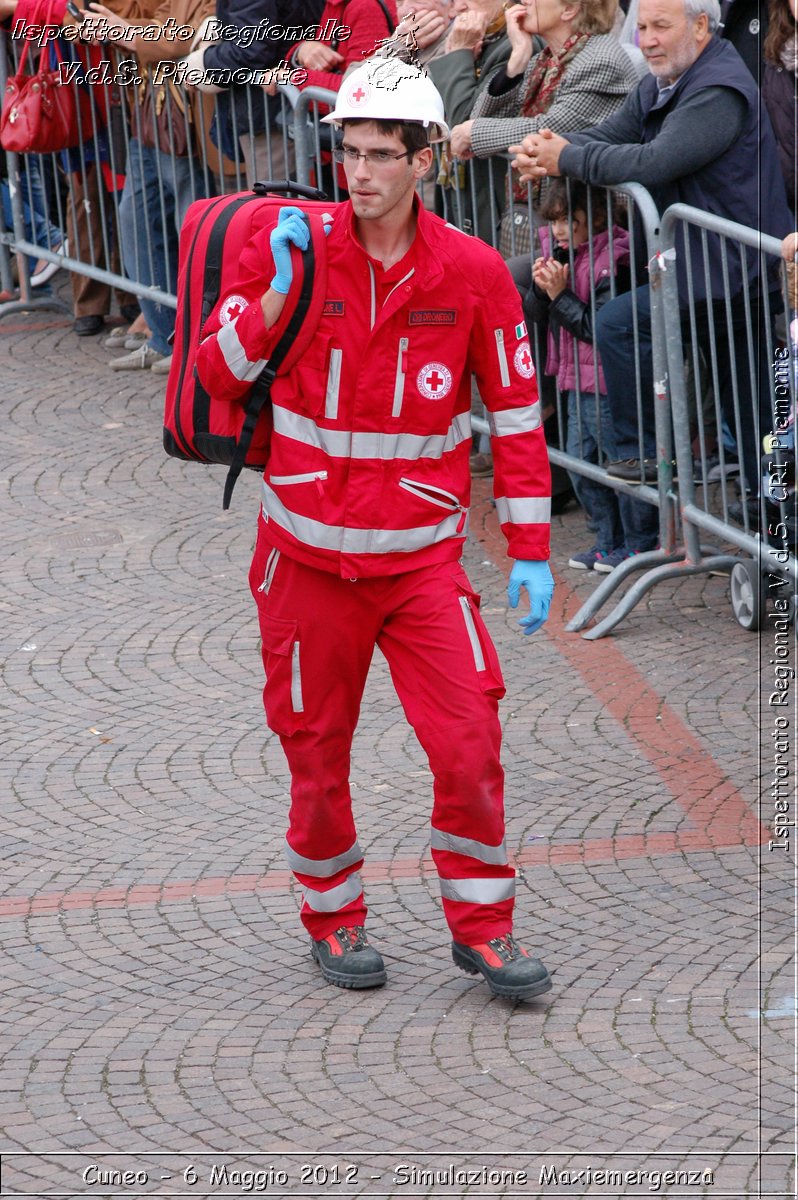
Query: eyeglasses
374	158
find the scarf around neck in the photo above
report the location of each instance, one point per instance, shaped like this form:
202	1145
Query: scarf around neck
547	75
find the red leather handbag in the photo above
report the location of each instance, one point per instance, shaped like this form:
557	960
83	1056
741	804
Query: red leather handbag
41	112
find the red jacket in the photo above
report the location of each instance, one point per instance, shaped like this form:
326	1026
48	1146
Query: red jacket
369	29
369	466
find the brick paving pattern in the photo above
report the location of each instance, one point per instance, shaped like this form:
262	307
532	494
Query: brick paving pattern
158	996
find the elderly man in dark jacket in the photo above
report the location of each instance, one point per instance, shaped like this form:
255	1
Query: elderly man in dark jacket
694	132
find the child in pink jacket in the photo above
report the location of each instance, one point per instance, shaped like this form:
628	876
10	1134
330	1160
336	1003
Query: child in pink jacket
561	294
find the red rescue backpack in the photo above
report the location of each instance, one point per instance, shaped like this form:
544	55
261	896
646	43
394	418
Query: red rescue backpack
211	283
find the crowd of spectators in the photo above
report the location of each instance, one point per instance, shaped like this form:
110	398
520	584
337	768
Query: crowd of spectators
665	93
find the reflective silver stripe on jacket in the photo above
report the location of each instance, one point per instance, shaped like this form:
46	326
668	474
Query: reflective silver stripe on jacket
478	891
515	420
358	541
333	385
523	510
235	356
496	856
336	897
323	868
373	297
341	443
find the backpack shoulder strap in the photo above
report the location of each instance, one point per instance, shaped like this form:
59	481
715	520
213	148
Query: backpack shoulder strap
296	336
387	15
385	12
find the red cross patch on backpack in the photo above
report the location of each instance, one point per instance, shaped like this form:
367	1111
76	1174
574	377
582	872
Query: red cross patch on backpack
213	285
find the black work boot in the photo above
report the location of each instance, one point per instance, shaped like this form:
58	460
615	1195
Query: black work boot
347	960
509	970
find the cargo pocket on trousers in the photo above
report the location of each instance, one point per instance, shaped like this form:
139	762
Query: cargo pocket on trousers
282	695
486	660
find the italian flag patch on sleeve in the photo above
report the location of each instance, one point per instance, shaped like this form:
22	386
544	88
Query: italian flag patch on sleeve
520	330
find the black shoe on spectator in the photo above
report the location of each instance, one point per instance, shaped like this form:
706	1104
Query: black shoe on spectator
629	470
88	326
130	312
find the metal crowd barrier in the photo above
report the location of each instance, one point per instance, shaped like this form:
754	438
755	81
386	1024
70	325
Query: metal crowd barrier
119	197
742	344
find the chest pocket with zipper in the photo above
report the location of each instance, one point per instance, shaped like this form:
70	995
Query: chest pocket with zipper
412	356
316	379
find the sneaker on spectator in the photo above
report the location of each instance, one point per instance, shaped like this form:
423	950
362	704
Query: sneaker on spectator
586	560
119	338
632	471
163	367
610	561
48	269
717	470
134	340
481	465
138	360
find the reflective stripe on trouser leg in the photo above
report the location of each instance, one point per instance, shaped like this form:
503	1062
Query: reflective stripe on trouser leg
478	891
450	695
331	886
335	899
322	848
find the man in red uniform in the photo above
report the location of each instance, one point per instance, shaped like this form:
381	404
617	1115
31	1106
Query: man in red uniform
364	514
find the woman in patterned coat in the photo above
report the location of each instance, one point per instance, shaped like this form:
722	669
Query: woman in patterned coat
580	78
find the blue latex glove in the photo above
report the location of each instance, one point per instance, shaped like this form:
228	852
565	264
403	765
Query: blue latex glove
291	230
536	578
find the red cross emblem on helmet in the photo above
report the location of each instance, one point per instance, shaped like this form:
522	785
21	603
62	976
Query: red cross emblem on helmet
358	94
434	380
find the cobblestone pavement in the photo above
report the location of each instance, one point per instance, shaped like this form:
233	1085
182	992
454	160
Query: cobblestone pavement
161	1012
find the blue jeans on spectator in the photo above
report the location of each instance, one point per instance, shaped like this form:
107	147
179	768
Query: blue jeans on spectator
615	339
158	190
591	439
38	227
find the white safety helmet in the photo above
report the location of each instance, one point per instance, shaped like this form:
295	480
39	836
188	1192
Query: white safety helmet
387	89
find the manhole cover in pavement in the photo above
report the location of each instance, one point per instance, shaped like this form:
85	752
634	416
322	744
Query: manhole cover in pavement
87	538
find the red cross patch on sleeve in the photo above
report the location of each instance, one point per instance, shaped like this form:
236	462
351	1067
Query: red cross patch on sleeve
522	361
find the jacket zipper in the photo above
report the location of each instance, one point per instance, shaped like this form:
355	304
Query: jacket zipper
436	495
504	370
271	567
401	371
316	477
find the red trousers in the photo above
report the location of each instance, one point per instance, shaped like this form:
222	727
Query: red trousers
319	633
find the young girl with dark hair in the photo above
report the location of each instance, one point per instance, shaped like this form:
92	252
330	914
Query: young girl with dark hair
584	254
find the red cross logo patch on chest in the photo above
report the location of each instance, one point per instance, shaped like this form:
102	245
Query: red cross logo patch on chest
522	361
434	381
